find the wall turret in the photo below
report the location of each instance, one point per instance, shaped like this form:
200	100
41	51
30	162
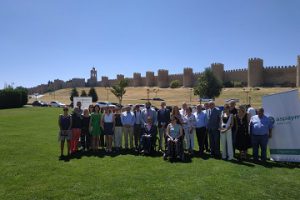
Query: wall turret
255	72
150	79
137	79
163	78
218	70
188	77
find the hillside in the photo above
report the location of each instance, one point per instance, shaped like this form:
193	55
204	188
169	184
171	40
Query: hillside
171	96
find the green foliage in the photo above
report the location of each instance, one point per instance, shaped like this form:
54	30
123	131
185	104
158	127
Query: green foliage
208	85
93	94
175	84
13	98
119	89
83	93
228	84
74	93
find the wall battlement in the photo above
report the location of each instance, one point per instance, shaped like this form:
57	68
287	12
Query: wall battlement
254	75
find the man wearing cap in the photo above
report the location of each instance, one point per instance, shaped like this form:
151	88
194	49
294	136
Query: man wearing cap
128	120
260	130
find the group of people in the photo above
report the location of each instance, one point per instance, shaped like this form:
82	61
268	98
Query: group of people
172	131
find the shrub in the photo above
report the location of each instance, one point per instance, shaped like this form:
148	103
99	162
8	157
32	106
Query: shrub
175	84
13	98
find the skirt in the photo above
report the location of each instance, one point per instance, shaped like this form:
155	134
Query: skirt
108	128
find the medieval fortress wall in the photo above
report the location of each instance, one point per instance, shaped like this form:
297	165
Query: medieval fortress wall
256	74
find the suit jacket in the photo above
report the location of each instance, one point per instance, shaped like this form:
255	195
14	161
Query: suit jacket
152	113
152	131
165	117
214	118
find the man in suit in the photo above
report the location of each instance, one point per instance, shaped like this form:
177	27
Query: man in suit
137	127
148	136
213	126
149	112
163	119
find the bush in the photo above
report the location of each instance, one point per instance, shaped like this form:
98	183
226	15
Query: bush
175	84
228	84
13	98
93	94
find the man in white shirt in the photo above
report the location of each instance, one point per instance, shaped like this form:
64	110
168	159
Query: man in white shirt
201	123
128	121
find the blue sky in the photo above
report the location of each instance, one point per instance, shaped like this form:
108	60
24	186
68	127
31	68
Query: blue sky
43	40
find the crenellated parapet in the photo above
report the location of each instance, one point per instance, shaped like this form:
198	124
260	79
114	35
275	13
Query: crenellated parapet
255	75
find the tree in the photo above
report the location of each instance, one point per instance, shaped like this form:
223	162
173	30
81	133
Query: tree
74	93
175	84
83	93
208	85
119	89
93	94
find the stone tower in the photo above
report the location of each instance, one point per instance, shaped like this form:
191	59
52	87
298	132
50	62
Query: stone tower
137	79
255	72
104	81
163	78
188	77
92	81
298	71
218	70
120	77
150	79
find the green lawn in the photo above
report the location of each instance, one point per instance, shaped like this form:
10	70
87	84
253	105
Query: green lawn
30	169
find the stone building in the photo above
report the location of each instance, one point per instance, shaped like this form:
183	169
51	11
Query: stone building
254	75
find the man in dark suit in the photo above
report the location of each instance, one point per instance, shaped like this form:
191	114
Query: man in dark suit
148	136
213	125
163	119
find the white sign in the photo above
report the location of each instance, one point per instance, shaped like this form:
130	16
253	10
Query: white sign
284	109
85	102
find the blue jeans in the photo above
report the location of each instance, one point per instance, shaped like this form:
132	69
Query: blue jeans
214	140
262	142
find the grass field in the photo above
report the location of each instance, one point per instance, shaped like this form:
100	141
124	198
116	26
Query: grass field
30	169
171	96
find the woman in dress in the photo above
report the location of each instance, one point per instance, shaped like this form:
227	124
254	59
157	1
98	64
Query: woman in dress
226	134
95	128
108	125
243	140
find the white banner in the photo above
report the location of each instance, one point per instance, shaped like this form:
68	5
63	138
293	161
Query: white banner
284	109
85	102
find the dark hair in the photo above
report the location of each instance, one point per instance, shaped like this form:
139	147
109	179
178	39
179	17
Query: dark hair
97	107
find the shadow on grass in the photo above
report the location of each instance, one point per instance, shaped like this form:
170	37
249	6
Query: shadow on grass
188	158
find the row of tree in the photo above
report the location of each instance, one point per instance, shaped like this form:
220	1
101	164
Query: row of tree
13	97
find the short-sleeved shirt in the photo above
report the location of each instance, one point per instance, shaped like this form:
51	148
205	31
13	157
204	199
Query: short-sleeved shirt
260	126
174	130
